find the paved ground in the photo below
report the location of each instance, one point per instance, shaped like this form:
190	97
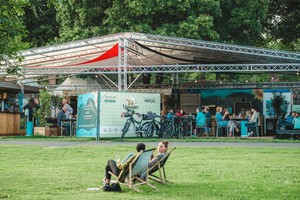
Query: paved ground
105	143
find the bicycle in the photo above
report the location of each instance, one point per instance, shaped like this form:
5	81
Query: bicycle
150	125
129	114
177	126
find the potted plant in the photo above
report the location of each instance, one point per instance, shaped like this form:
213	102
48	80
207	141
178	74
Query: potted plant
280	105
48	102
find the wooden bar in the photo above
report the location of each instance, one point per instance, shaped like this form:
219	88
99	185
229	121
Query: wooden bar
9	123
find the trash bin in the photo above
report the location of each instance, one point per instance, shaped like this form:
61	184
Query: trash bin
29	128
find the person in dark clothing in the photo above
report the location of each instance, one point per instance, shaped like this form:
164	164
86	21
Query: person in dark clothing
61	115
31	106
115	166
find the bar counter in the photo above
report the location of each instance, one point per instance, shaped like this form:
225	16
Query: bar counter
10	124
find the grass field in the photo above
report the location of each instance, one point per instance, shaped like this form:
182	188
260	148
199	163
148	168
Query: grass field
38	172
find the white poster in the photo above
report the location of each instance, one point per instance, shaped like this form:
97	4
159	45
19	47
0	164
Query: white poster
113	104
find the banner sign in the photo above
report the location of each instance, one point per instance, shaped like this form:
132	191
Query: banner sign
87	115
113	104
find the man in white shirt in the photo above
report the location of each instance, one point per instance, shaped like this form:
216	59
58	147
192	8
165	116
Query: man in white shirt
253	121
69	111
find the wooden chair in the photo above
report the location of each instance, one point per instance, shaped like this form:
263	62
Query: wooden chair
159	167
130	176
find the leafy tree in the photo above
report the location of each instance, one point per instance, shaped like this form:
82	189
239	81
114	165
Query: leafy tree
181	18
241	21
12	30
184	18
80	19
283	23
40	21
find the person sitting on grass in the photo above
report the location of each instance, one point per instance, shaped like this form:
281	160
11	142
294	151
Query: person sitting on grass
115	166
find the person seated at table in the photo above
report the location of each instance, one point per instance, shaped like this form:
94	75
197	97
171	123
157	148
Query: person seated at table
248	115
287	124
232	125
61	116
253	120
170	114
200	119
222	122
208	118
296	121
69	111
180	112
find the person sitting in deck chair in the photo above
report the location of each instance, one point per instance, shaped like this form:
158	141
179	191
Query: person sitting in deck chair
116	166
162	150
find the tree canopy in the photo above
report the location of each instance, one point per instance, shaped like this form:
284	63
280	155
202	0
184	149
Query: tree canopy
12	31
262	23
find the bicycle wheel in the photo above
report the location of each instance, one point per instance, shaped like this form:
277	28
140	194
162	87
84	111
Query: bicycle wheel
144	130
169	131
125	129
149	131
180	131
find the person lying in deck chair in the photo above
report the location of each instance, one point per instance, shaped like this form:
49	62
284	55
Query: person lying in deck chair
162	150
116	166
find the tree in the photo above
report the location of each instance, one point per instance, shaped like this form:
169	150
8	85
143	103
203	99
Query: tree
12	31
241	21
181	18
40	21
280	105
283	24
80	19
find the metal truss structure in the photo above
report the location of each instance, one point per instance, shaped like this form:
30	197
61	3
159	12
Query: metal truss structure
144	53
263	85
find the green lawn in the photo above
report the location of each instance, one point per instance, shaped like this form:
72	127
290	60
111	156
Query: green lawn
36	172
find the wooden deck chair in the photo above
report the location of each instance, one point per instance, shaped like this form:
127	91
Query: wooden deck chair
136	166
160	167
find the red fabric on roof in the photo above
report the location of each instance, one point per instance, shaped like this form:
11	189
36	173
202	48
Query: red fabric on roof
108	54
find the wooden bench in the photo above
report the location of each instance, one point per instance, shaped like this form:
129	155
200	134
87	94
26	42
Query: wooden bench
287	133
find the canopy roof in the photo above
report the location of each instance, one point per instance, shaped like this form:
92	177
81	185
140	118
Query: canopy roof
13	88
125	53
76	86
139	52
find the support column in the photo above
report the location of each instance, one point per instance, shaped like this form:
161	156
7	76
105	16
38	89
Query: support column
122	64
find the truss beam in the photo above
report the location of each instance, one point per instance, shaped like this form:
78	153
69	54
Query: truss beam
154	39
161	69
233	85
